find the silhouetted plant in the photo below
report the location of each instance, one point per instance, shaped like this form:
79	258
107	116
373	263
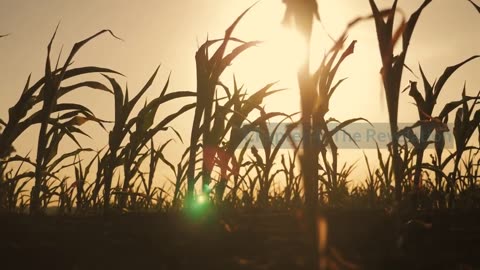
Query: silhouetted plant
49	93
428	124
129	155
392	69
209	122
13	182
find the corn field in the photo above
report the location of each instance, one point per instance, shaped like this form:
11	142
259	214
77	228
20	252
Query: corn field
219	166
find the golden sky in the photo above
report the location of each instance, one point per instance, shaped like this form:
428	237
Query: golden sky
167	32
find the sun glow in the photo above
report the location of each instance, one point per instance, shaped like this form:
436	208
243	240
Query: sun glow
201	199
276	59
284	50
279	55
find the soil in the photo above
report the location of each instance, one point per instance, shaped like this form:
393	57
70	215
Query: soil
357	239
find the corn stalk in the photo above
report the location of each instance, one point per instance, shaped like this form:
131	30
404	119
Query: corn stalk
49	139
144	131
209	70
392	69
425	105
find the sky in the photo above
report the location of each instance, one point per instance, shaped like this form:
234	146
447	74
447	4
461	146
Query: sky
167	33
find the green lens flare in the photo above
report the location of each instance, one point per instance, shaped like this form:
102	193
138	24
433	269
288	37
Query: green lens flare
200	206
202	199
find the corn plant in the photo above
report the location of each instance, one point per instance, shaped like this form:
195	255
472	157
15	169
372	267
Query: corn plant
371	187
292	191
471	169
469	193
21	117
467	121
238	178
96	196
54	186
240	106
377	189
180	173
250	182
154	156
392	69
13	182
315	92
209	69
264	166
324	135
47	91
144	131
340	191
302	15
439	161
385	177
407	154
378	186
425	105
81	184
58	190
66	198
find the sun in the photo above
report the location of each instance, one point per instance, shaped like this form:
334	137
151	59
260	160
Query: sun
278	56
284	46
276	59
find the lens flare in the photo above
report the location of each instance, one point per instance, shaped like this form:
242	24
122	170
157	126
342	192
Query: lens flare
201	199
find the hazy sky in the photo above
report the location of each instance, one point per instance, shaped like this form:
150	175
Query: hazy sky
167	32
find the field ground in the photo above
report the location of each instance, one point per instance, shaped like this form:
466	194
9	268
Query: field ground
254	240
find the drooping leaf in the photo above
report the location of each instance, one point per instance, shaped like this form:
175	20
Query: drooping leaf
477	7
448	72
